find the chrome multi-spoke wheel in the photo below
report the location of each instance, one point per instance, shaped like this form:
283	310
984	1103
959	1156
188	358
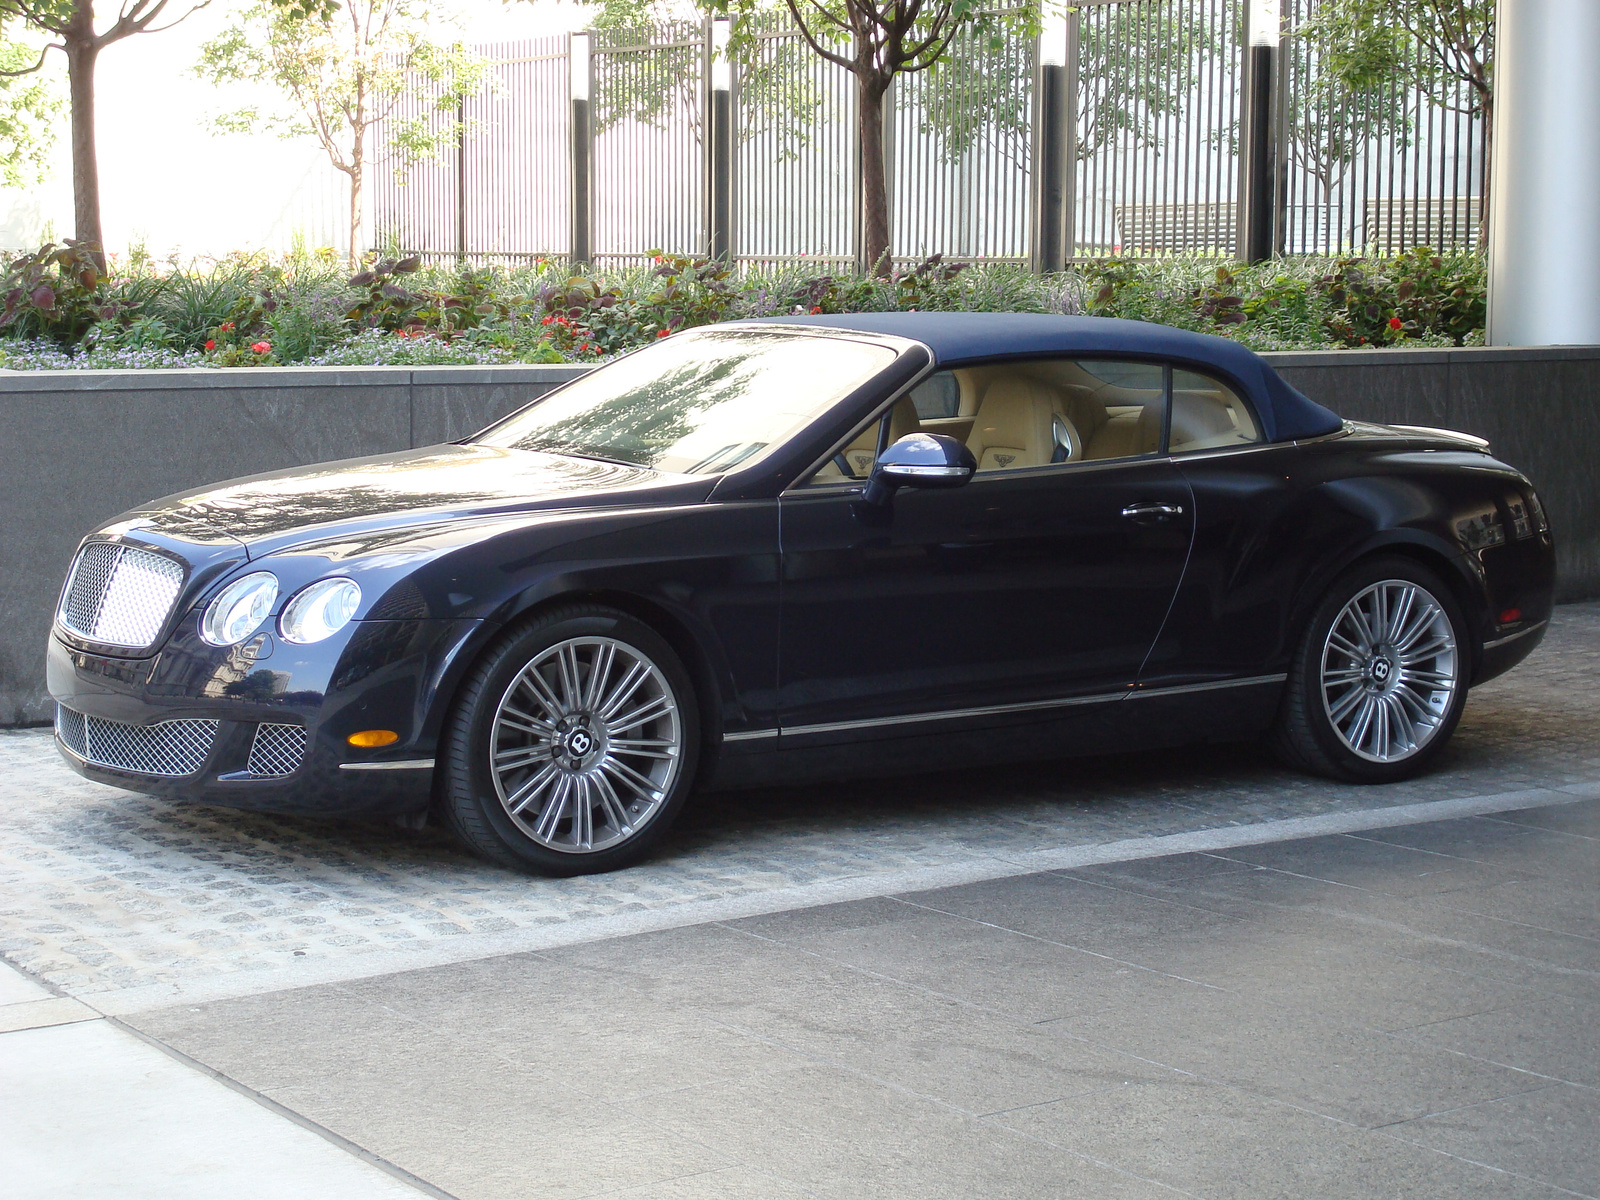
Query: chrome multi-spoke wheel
573	744
1390	669
1379	681
586	744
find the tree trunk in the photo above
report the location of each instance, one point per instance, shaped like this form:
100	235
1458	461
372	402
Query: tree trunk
874	177
82	51
1488	174
357	170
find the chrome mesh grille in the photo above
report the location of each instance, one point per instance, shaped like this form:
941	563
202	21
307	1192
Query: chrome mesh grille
277	750
120	595
171	748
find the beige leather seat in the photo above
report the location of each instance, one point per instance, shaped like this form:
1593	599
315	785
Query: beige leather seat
863	452
1128	434
1020	424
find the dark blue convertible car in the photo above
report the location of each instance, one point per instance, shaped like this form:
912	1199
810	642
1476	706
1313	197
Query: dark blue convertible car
774	550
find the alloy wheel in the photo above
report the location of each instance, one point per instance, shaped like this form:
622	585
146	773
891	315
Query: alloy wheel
1390	668
586	744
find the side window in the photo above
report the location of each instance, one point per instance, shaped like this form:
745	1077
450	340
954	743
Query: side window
855	460
1208	415
1067	410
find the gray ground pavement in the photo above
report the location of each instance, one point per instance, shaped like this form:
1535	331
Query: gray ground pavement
1188	974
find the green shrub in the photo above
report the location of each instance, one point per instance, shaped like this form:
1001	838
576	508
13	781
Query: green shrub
305	309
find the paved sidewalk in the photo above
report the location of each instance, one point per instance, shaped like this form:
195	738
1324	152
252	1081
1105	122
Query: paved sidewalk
90	1111
1403	1013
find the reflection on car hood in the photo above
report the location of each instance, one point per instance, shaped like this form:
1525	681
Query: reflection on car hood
271	512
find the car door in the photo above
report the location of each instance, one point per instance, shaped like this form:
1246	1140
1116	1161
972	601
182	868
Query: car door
1037	586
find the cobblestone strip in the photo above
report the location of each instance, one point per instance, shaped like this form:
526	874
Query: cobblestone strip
104	891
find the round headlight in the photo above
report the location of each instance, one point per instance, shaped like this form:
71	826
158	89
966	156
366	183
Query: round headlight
241	606
319	611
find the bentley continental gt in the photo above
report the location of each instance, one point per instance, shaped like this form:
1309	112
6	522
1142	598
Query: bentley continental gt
786	549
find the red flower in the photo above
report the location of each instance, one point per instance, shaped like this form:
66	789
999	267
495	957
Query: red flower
1396	323
225	327
261	348
663	332
815	309
548	321
211	343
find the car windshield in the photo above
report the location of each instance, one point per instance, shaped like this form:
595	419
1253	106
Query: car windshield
696	404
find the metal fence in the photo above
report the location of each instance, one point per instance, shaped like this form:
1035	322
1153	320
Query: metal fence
1147	148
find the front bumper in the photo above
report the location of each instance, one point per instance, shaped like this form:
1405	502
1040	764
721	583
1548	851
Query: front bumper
264	725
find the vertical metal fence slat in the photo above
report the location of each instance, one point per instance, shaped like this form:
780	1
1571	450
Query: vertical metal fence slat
1155	114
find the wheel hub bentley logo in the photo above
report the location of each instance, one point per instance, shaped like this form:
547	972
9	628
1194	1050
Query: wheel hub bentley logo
1381	669
579	743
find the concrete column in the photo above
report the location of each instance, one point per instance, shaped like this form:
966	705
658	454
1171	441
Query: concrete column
1544	199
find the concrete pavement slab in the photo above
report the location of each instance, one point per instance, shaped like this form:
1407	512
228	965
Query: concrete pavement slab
1336	1067
1546	1134
1221	1142
17	988
90	1112
1553	1035
843	1135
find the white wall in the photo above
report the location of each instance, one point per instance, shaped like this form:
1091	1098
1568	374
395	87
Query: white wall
168	184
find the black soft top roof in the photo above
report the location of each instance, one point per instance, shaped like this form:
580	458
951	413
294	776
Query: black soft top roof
962	338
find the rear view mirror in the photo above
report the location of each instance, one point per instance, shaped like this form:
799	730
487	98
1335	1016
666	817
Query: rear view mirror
922	460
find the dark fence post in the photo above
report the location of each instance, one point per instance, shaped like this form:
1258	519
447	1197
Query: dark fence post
719	145
1258	211
1054	138
582	143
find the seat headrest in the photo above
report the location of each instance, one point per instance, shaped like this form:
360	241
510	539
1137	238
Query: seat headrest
1016	425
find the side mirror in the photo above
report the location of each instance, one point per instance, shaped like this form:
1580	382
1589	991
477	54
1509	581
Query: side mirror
923	460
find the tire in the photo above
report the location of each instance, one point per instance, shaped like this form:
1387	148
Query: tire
543	770
1379	681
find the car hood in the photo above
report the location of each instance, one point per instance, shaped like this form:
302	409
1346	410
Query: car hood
390	492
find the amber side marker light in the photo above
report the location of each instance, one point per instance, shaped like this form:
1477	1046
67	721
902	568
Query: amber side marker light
369	739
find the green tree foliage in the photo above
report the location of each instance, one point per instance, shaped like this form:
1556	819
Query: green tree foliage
29	106
340	75
777	94
81	33
877	41
1377	48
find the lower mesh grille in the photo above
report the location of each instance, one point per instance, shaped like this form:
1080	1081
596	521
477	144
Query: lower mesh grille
277	750
171	748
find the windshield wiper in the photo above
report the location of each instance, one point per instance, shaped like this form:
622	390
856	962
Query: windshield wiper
566	452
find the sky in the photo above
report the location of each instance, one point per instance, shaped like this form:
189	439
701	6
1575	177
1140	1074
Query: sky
169	184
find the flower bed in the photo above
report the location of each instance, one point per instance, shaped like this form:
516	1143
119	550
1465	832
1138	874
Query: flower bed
60	313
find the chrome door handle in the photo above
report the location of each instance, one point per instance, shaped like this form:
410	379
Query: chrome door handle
1159	511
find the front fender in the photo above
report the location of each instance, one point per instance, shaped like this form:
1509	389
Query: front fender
706	576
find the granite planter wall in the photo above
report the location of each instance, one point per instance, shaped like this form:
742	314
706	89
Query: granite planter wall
79	447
